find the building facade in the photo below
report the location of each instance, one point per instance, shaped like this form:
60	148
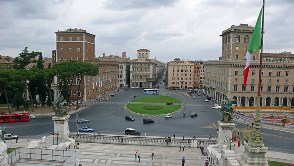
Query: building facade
145	72
180	74
224	77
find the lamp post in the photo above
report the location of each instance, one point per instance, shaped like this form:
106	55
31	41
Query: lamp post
54	133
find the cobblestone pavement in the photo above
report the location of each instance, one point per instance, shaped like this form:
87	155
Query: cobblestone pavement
109	154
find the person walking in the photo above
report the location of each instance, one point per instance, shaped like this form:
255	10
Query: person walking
139	157
16	139
206	163
183	148
183	161
174	136
136	154
180	148
152	156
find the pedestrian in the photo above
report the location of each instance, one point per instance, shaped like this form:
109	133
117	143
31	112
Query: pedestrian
183	137
183	148
183	161
136	156
139	157
180	148
28	137
174	136
206	163
209	136
152	156
16	139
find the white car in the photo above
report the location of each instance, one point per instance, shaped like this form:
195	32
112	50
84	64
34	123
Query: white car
216	106
206	100
168	116
10	136
32	116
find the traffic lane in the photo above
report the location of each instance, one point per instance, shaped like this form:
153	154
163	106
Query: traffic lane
38	126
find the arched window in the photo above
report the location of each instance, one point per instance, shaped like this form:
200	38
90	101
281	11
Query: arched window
246	39
237	39
226	39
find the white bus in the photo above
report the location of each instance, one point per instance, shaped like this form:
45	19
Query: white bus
151	91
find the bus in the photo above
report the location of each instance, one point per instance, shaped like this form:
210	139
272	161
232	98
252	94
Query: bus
14	117
151	91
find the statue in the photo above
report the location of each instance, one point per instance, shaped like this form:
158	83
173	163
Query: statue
59	107
227	111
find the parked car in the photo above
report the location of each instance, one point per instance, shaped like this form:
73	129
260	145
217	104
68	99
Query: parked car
86	129
80	121
129	118
193	115
168	116
10	136
146	121
32	116
131	131
206	100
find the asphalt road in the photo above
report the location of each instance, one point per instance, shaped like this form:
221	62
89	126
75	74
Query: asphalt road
108	118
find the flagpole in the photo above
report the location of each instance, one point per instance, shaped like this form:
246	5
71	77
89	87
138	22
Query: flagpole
257	120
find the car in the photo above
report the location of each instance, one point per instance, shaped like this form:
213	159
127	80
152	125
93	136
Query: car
216	106
10	136
80	121
146	121
32	116
129	118
193	115
131	131
86	129
168	116
194	97
206	100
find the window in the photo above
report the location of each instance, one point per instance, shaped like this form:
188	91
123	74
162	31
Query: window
79	93
237	39
253	72
278	73
78	49
269	88
285	89
70	39
61	38
287	73
252	88
236	72
235	88
237	56
78	38
278	81
270	73
246	39
243	88
277	88
69	49
261	88
61	49
78	81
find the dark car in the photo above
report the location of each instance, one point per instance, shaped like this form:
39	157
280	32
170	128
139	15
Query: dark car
131	131
81	121
193	115
146	121
129	118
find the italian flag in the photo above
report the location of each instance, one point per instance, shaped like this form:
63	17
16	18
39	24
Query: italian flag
255	44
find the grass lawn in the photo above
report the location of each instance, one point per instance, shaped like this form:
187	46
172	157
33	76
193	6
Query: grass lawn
9	150
152	109
155	99
276	163
154	105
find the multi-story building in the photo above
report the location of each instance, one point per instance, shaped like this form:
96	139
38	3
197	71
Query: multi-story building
124	71
224	77
74	45
180	74
201	76
143	71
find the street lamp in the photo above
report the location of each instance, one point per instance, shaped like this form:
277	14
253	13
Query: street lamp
54	133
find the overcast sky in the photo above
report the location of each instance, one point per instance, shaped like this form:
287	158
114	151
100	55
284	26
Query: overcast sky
188	29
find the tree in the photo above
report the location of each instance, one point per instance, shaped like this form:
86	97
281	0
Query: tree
68	71
4	82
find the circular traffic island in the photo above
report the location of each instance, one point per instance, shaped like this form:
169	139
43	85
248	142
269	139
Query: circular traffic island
154	105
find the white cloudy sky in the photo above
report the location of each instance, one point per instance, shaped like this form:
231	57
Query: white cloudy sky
188	29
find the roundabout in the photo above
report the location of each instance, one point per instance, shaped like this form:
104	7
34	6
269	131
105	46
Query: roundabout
154	105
